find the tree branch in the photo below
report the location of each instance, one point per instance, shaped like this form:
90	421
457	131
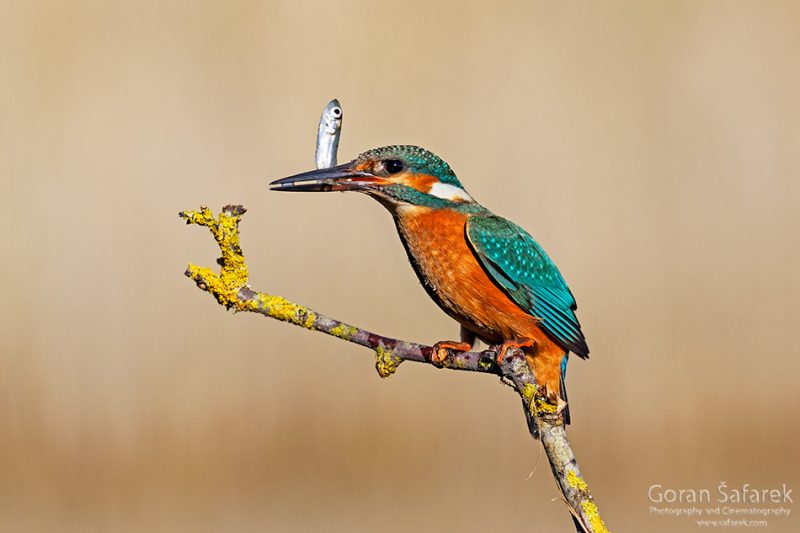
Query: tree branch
230	288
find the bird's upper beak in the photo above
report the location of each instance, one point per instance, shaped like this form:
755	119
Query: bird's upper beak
342	178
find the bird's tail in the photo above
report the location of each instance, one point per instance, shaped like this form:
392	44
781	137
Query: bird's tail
562	389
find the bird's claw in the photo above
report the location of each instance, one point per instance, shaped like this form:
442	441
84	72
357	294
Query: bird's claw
516	343
439	352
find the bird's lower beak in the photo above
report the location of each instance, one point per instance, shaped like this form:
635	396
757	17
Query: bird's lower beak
341	178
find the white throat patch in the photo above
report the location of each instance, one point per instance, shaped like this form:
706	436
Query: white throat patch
446	191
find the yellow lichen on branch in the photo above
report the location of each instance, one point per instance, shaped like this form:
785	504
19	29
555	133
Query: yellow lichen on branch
575	481
544	406
233	275
536	402
589	508
385	361
593	516
343	331
282	309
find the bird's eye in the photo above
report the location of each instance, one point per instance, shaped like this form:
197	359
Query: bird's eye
393	166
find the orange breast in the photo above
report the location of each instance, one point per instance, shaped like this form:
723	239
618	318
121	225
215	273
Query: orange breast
436	241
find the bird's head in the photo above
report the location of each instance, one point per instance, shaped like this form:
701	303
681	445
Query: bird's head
395	175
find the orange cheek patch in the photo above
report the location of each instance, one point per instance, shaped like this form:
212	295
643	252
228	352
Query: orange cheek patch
420	182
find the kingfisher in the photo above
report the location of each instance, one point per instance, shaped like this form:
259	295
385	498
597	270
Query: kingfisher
483	270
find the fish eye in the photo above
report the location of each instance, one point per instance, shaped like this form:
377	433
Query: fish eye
393	166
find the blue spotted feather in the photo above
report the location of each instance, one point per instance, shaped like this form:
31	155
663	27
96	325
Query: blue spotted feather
521	267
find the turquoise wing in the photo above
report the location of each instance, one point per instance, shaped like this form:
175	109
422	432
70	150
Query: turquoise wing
521	267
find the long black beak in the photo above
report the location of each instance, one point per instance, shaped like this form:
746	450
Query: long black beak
339	178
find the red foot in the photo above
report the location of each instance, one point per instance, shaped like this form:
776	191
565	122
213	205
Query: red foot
516	343
439	352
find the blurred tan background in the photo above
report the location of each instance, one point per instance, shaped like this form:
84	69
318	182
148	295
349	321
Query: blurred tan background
653	148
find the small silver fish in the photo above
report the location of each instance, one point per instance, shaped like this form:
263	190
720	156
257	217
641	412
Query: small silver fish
330	127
